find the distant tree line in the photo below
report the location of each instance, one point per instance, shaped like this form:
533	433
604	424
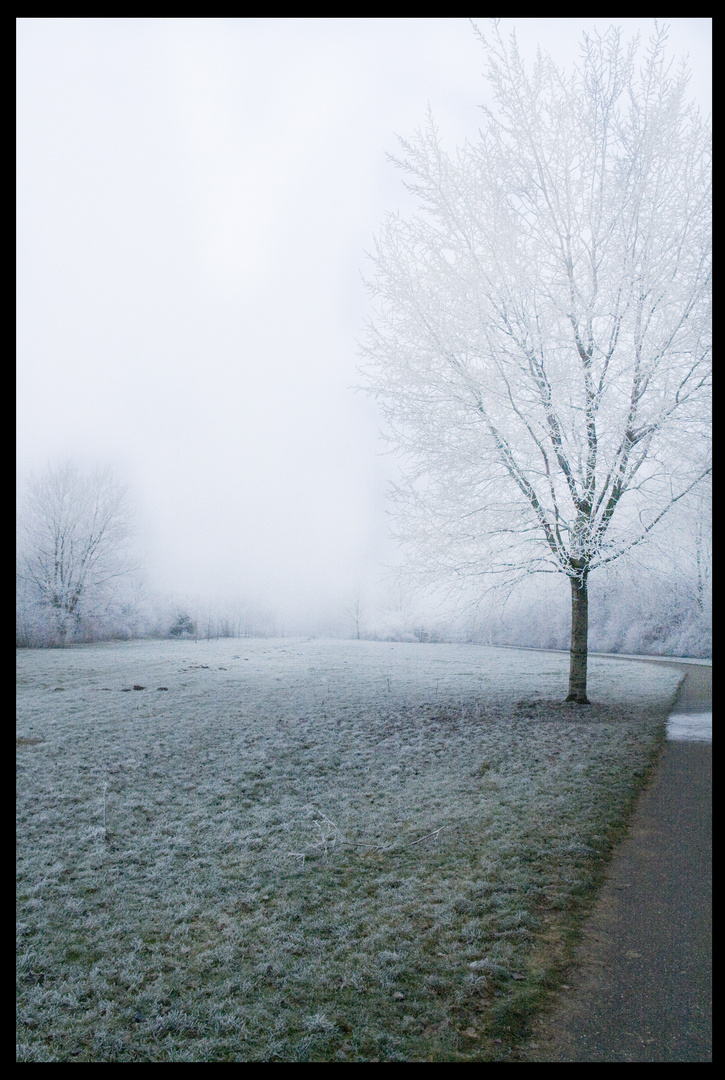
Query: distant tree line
658	602
77	582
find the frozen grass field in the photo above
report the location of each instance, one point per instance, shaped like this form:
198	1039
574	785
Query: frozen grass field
309	850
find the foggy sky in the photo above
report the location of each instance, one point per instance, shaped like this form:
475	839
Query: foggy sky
195	197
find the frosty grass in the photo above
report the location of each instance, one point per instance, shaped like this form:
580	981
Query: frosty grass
310	850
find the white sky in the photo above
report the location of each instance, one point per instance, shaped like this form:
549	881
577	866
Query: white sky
194	201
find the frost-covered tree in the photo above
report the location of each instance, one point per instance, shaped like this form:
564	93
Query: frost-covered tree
183	626
72	549
541	343
356	606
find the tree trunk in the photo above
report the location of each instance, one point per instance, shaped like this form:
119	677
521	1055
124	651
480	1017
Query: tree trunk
579	632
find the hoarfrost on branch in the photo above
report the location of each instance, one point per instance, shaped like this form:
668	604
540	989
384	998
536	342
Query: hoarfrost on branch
541	345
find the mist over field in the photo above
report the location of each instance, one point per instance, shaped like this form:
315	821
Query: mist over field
195	201
364	417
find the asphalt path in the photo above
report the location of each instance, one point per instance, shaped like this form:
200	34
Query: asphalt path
642	986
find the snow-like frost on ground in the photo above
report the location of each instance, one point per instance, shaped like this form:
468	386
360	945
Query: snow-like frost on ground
303	829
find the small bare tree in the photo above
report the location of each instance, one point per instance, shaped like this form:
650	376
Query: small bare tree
73	534
355	607
541	347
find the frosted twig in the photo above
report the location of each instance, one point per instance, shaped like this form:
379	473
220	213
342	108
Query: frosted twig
426	837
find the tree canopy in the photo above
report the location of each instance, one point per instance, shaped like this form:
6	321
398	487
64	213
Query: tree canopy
72	547
541	347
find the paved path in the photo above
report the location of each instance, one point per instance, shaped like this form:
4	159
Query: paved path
642	990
